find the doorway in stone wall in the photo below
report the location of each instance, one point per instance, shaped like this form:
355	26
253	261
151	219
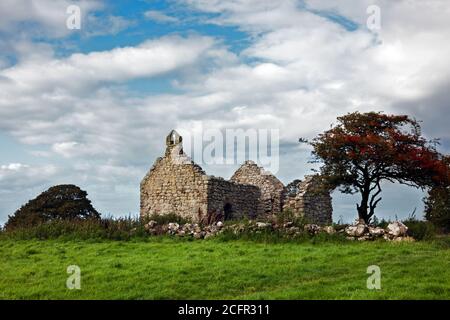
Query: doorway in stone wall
227	211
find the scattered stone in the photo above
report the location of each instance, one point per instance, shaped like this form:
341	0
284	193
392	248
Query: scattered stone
365	237
174	226
356	230
329	229
376	231
199	235
312	229
208	235
288	224
293	230
362	232
150	225
263	225
397	229
359	231
405	239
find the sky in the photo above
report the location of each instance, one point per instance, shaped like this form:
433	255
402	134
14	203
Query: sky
92	106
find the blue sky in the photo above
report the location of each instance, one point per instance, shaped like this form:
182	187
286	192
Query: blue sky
92	106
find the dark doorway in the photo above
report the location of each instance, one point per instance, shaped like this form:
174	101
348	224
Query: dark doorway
227	211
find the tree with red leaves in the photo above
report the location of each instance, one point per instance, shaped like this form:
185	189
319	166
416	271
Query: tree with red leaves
365	149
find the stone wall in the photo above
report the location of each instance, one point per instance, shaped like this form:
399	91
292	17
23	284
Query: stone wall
272	189
171	187
232	200
311	201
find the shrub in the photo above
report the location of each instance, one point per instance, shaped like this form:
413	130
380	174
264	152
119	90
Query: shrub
62	202
109	228
437	208
289	216
420	230
210	218
122	228
379	223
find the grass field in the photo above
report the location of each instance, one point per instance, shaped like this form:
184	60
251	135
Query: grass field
164	268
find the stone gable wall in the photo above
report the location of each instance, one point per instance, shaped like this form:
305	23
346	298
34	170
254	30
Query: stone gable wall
171	187
311	202
272	189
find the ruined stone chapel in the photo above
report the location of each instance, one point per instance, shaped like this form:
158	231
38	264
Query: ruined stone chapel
176	185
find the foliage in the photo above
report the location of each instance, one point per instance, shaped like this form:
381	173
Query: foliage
288	215
437	207
420	230
80	229
210	218
383	223
62	202
365	149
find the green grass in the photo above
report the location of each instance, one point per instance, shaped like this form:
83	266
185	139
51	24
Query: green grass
164	268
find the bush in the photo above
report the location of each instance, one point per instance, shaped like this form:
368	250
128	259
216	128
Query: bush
109	228
62	202
420	230
289	216
437	208
379	223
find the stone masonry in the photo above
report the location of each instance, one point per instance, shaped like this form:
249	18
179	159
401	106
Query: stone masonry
310	201
176	185
272	189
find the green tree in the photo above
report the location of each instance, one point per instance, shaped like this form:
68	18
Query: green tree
437	204
64	202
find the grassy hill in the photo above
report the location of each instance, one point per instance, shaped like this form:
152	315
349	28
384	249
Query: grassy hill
164	268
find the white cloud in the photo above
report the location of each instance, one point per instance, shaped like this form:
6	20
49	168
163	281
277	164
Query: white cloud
13	167
74	101
159	16
319	67
15	177
95	26
299	72
151	58
45	17
66	149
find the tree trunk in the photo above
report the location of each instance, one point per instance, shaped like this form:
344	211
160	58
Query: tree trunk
364	205
366	209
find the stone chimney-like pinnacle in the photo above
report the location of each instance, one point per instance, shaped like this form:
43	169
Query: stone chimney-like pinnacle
173	139
174	144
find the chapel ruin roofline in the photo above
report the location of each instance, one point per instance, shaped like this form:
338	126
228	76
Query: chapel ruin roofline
174	139
177	140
